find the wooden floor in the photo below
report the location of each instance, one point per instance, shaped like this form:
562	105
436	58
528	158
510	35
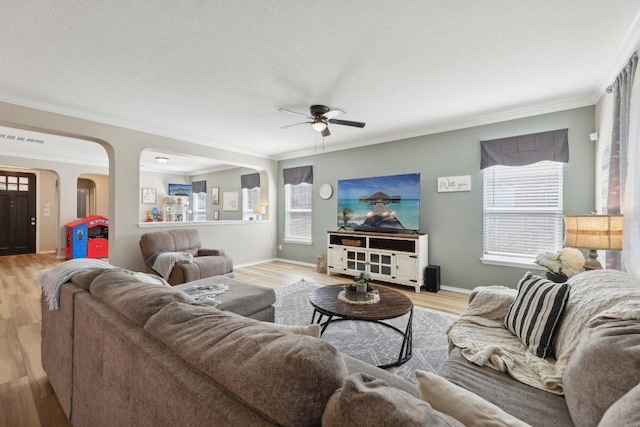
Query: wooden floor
26	396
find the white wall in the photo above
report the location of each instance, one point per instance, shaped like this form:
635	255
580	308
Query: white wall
245	242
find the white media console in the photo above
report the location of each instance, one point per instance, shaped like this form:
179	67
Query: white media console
395	258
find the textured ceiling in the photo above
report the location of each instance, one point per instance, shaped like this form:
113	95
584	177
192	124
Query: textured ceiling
216	72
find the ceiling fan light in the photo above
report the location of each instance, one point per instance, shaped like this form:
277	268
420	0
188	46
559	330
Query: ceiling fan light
318	125
162	160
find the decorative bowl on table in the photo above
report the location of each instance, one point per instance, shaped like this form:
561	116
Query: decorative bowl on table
350	292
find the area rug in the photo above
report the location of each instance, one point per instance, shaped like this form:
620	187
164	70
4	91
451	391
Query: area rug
368	341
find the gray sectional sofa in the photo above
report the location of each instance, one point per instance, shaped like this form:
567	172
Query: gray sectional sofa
121	352
124	352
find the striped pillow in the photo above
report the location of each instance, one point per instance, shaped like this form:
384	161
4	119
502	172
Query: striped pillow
535	315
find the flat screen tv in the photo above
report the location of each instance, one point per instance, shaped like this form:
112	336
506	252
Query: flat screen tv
382	203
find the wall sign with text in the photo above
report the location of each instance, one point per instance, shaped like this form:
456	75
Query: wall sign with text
448	184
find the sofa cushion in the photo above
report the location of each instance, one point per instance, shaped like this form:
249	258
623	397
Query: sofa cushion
137	300
462	404
536	313
604	367
624	412
355	366
287	378
85	278
526	403
367	401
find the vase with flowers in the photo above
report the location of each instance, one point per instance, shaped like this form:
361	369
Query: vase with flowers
561	265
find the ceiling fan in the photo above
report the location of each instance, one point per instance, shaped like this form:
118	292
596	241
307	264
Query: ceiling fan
320	117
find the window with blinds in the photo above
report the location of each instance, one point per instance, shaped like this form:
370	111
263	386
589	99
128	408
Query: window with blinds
298	212
250	199
522	211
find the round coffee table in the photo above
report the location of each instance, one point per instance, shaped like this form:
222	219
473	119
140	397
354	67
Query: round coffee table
392	304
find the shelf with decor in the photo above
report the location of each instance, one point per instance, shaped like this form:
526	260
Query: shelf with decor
394	258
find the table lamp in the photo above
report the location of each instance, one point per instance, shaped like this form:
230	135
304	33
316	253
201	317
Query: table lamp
593	232
260	210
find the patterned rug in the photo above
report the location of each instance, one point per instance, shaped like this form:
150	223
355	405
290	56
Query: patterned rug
368	341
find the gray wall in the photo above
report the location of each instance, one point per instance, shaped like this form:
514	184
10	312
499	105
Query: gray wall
227	180
453	221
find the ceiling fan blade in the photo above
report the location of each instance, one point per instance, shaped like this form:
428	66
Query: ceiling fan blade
306	116
333	113
295	124
346	123
326	132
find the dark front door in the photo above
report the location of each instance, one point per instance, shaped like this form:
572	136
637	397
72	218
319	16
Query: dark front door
17	213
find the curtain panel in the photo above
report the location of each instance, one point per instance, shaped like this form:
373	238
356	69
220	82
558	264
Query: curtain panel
199	187
622	90
525	150
298	175
250	181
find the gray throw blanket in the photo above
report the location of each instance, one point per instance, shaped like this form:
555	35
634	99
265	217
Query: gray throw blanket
163	262
52	278
206	293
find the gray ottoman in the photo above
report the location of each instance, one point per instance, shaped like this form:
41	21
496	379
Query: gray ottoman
242	298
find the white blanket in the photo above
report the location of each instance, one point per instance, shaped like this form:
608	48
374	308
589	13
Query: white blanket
165	261
52	278
484	340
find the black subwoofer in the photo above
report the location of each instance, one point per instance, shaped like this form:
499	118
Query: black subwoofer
432	278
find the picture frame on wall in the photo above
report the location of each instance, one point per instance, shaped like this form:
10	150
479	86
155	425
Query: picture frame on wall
215	195
216	215
230	201
149	195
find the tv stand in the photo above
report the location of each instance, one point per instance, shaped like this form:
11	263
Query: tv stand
394	258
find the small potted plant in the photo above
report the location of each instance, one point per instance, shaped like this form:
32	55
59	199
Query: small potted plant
561	265
362	283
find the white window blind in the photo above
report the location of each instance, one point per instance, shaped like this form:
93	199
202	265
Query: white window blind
250	198
199	206
522	211
298	212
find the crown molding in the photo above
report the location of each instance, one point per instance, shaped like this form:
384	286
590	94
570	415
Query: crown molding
111	121
49	158
626	49
447	127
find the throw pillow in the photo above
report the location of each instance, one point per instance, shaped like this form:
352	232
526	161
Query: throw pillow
535	315
364	400
624	412
461	404
607	359
310	330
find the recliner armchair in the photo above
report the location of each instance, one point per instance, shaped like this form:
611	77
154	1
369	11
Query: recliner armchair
206	262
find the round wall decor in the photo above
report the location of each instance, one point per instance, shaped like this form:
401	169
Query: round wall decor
325	191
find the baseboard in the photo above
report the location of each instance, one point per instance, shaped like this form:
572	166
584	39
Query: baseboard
252	263
308	264
454	289
290	261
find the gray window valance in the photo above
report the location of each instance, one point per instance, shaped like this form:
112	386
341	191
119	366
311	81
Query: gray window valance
526	149
250	181
199	186
295	176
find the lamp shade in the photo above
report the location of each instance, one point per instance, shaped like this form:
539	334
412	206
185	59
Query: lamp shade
593	231
261	210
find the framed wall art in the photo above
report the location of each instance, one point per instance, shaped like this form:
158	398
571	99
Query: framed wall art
215	195
230	201
149	195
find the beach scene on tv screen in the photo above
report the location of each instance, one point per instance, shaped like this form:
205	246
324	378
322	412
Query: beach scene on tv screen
383	202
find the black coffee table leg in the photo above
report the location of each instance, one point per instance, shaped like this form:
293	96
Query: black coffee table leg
407	342
319	320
